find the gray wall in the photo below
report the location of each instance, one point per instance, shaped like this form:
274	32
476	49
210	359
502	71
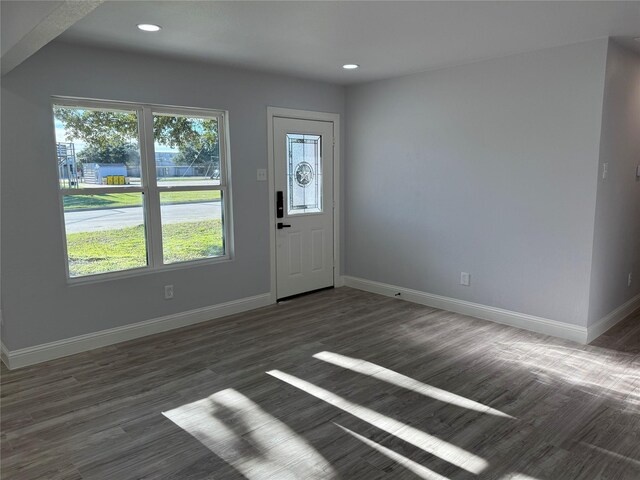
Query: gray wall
38	304
616	248
488	168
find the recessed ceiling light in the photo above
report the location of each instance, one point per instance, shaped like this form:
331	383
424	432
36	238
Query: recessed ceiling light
350	66
149	27
637	39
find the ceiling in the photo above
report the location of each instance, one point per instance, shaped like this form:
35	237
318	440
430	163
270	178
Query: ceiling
313	39
17	19
27	26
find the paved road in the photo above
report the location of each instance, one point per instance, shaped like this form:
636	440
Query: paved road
92	220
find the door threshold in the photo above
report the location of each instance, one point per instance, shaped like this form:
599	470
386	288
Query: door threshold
291	297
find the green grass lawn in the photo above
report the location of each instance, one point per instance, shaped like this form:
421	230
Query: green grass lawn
112	250
119	200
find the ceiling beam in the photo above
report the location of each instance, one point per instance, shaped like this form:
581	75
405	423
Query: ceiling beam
45	30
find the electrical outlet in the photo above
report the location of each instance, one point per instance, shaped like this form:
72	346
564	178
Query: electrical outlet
168	292
261	175
629	279
605	170
465	279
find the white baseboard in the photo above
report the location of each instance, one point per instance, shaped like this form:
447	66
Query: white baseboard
493	314
617	315
82	343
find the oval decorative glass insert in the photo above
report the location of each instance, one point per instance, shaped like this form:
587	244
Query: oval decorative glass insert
304	174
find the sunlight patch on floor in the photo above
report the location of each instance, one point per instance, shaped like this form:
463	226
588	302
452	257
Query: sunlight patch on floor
420	470
400	380
593	369
615	455
249	439
518	476
430	444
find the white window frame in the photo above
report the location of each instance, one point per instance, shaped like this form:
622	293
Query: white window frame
149	186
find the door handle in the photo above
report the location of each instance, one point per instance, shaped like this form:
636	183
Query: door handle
282	225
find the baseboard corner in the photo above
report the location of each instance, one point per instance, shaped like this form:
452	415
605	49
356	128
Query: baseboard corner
613	318
5	356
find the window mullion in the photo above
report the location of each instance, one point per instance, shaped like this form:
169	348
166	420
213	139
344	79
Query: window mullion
152	198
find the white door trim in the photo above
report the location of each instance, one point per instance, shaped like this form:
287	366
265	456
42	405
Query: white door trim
337	186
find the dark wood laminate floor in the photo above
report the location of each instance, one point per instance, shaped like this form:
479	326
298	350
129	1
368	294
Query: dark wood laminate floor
338	384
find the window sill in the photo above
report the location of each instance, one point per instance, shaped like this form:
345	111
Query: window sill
138	272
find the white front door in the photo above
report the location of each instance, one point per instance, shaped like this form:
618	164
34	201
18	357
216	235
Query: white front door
303	155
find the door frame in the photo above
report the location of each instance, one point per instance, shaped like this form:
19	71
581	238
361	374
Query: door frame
273	112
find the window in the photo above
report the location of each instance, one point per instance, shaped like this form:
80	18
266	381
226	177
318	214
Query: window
141	187
304	174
